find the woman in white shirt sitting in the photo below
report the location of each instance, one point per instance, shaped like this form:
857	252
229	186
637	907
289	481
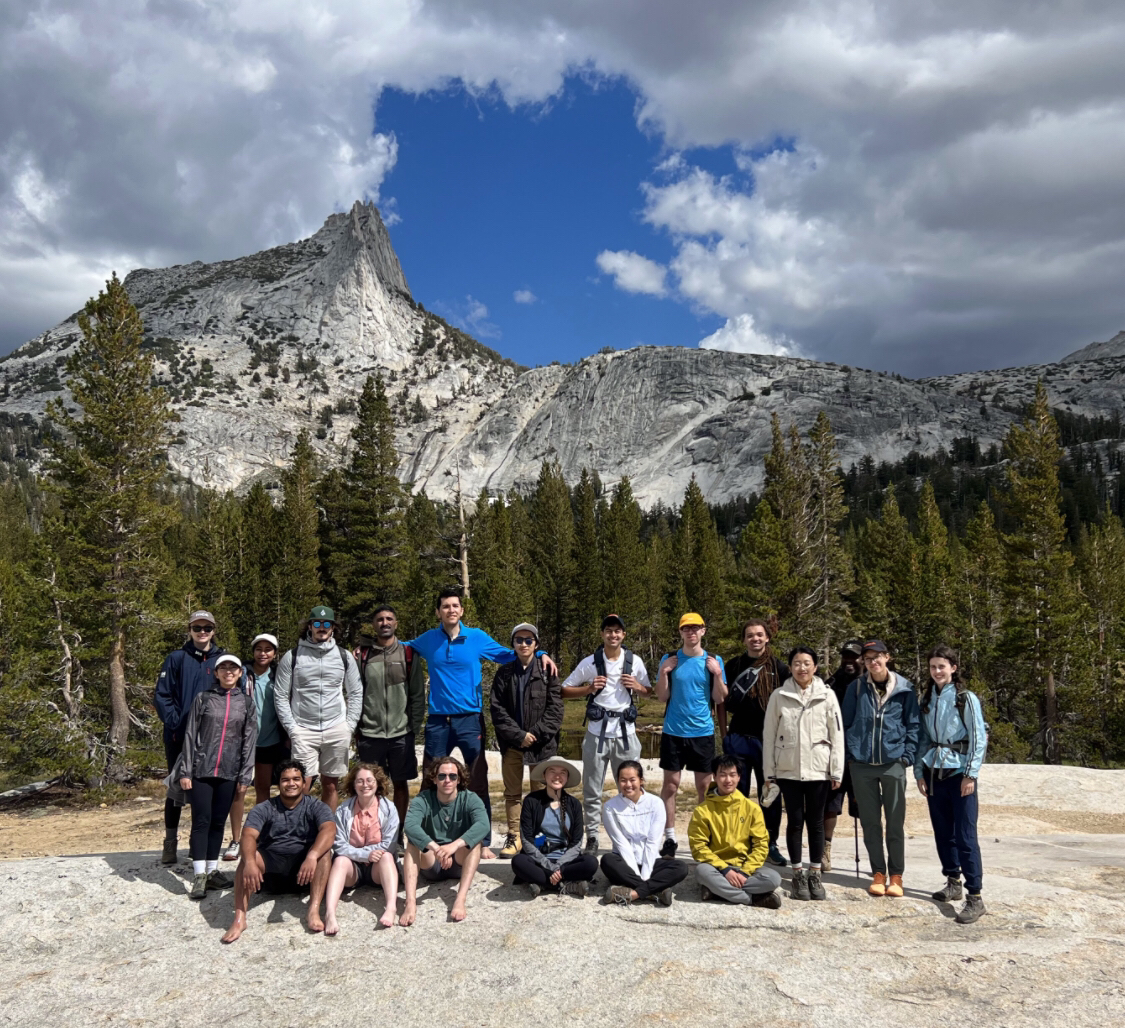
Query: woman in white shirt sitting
634	821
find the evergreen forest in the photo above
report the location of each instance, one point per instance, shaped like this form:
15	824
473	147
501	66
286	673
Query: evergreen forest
1014	556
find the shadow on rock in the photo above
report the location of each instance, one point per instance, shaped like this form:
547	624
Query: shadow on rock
145	866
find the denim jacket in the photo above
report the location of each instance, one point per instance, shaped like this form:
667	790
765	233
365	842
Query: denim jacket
881	734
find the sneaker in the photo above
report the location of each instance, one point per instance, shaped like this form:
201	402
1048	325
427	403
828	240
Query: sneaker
669	848
800	889
774	856
575	889
232	851
705	894
816	886
219	880
511	846
533	889
894	888
591	845
878	886
950	893
973	908
618	894
168	855
769	900
198	887
664	897
826	860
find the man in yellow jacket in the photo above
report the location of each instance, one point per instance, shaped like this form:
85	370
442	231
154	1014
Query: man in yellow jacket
729	841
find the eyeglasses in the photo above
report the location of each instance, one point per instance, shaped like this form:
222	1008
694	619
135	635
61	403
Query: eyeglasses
321	624
203	629
692	628
524	640
447	776
232	668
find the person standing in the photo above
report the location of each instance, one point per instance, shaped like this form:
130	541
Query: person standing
880	713
851	659
803	750
610	680
216	763
689	682
634	821
318	697
752	678
527	711
951	749
394	705
186	673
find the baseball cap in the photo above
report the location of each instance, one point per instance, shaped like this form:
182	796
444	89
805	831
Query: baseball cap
691	619
202	615
264	637
524	626
877	645
228	658
323	614
853	646
611	620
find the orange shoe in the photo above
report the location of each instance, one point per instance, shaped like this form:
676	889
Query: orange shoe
895	888
878	887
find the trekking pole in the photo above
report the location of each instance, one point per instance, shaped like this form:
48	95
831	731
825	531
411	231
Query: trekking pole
855	826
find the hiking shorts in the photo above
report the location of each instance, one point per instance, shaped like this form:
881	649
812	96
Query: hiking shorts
695	753
397	757
436	873
323	751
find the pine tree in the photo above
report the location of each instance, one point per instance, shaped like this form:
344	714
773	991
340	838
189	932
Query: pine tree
765	574
623	557
105	465
500	561
552	550
299	564
431	564
259	606
699	562
935	575
588	563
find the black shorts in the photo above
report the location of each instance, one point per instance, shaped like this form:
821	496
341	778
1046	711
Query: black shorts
395	756
367	877
281	871
273	755
834	807
281	885
695	754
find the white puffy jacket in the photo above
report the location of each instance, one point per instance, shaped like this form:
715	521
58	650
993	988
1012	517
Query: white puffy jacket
803	738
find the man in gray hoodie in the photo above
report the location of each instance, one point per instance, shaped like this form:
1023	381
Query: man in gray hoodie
319	698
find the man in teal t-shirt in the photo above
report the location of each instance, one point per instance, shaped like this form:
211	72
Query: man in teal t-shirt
689	682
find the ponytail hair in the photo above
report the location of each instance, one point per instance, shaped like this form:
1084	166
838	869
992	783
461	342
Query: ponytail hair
942	652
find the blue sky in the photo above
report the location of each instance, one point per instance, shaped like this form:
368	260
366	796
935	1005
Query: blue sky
495	200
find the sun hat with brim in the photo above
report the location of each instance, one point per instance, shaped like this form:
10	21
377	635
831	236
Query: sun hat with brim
202	615
574	773
692	619
264	637
228	658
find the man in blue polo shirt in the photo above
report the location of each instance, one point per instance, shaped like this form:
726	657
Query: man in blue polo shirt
453	653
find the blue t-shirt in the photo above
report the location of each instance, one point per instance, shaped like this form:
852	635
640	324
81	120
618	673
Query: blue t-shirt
688	714
454	666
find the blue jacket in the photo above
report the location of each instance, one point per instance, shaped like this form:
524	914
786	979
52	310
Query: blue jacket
186	673
945	741
454	666
881	735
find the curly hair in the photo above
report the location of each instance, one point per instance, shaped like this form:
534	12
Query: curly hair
382	782
462	771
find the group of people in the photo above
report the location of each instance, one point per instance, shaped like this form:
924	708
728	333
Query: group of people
290	719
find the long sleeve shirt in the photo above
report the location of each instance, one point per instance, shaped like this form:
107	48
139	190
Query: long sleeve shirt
636	830
388	827
729	831
429	820
454	666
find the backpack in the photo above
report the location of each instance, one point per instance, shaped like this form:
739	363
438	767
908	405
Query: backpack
344	656
599	668
365	656
961	701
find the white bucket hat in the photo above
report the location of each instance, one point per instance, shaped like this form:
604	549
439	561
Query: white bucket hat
574	773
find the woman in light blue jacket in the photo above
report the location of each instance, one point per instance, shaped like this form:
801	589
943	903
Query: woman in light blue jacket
951	748
366	828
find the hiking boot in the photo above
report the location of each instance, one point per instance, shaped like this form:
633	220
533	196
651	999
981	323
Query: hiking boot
878	886
669	848
232	851
576	889
951	892
591	845
198	887
219	880
895	886
664	897
618	894
826	860
973	908
800	890
774	856
769	900
511	845
816	886
169	855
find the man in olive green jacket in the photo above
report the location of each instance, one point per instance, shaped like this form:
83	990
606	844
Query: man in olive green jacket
394	705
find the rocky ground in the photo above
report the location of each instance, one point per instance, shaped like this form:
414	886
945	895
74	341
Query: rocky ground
109	936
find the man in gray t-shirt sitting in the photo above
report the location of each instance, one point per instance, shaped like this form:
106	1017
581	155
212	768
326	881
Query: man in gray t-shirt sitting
286	847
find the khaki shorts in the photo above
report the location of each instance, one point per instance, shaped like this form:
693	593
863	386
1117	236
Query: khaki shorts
323	751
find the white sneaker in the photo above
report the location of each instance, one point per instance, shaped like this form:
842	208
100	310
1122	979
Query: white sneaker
232	851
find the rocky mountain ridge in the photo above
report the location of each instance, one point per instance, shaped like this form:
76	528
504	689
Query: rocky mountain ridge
253	349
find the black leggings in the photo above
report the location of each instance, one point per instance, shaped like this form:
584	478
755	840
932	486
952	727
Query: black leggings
804	804
580	869
171	808
665	873
210	800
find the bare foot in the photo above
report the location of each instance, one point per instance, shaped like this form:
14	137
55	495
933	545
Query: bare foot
388	918
313	921
330	925
487	854
409	913
238	926
458	912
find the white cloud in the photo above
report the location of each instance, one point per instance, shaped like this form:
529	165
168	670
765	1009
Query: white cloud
524	296
632	272
471	315
741	335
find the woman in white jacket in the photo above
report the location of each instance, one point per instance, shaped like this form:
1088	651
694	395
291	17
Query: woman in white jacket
803	752
366	829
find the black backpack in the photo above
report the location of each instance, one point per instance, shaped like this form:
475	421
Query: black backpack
599	668
344	656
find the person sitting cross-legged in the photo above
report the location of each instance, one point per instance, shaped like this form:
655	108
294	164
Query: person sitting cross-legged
634	821
551	834
286	847
729	840
445	829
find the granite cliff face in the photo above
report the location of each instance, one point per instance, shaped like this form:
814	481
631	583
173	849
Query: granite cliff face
254	349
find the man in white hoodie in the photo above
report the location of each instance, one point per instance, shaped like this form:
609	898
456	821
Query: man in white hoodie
319	697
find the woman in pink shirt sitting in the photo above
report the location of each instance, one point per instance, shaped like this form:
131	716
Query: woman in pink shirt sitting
366	828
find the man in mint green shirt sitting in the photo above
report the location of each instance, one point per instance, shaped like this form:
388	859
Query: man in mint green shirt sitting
445	829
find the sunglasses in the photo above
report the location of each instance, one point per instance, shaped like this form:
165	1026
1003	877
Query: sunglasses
524	640
322	624
202	629
447	776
